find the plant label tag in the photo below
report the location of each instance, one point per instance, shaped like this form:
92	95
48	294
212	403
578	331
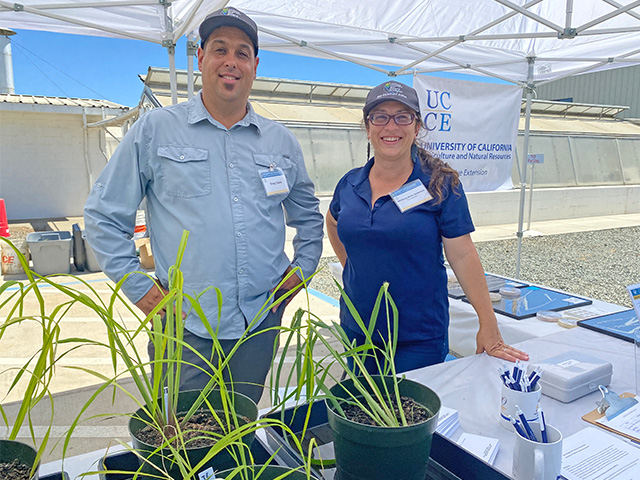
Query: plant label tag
207	474
274	181
410	195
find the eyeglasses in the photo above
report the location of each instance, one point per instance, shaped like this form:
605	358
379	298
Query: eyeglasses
381	119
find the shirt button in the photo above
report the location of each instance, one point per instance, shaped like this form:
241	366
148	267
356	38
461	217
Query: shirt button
235	199
241	271
181	157
228	132
238	234
231	165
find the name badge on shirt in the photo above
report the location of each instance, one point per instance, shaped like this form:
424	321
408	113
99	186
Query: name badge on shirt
410	195
274	181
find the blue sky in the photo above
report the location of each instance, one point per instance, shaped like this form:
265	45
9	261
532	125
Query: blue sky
63	65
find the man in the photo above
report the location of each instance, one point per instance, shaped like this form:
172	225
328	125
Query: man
214	167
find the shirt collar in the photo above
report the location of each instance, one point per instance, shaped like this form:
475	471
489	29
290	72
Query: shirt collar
360	180
198	113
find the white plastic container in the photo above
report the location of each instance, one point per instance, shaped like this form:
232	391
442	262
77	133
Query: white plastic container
572	375
50	252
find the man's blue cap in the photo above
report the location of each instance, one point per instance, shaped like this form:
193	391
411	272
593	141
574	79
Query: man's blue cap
229	17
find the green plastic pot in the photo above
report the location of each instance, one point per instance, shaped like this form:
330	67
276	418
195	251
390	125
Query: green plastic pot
244	407
271	472
365	452
11	450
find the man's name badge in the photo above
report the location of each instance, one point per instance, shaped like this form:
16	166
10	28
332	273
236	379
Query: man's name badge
410	195
274	181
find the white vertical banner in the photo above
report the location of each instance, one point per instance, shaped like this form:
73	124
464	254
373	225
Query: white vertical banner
473	127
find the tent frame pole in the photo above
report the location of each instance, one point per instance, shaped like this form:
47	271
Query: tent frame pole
192	48
523	181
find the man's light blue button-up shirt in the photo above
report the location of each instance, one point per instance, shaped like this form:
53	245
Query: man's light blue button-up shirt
197	175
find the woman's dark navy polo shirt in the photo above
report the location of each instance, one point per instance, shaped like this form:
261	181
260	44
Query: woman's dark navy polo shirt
404	249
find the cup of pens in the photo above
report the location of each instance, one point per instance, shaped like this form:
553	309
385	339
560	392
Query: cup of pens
519	390
539	456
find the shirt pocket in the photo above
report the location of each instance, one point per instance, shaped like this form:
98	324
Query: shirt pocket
185	170
264	161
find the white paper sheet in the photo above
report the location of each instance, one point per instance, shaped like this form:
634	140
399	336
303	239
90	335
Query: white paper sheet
593	454
484	447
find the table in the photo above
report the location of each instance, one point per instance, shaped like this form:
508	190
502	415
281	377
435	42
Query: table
471	385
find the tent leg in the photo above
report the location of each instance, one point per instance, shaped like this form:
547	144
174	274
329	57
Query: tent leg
523	182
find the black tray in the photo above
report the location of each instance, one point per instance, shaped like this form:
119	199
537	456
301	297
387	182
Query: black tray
620	325
447	460
127	461
54	476
534	299
494	283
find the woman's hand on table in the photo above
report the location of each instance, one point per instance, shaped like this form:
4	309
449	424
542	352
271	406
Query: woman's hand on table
492	343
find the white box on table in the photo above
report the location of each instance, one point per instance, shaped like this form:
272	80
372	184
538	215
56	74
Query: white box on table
571	375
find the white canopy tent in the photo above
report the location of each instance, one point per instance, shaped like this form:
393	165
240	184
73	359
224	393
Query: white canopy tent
527	42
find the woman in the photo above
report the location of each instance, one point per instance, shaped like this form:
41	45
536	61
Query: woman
388	222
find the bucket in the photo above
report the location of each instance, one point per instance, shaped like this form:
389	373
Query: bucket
10	262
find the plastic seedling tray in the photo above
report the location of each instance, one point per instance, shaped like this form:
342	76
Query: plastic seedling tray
447	461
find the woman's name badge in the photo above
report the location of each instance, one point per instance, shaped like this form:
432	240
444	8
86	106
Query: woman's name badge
274	181
410	195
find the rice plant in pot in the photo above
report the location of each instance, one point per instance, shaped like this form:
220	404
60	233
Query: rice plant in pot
31	381
175	434
382	424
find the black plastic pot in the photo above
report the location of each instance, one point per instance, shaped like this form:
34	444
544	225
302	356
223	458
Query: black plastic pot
11	450
244	407
365	452
269	473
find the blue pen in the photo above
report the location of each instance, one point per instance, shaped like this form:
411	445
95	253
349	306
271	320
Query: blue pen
525	424
504	375
536	371
516	425
535	381
516	371
543	427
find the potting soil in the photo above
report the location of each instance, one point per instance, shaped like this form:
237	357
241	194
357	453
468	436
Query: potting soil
201	430
413	412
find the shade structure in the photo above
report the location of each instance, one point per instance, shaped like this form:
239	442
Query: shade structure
527	42
484	37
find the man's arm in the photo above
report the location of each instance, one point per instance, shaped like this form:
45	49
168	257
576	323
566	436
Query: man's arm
110	212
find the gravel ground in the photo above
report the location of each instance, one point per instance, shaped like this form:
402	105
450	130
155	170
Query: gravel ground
597	264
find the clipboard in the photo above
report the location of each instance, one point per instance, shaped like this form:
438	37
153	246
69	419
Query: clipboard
594	415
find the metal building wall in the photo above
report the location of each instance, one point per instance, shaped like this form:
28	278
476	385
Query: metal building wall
620	86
